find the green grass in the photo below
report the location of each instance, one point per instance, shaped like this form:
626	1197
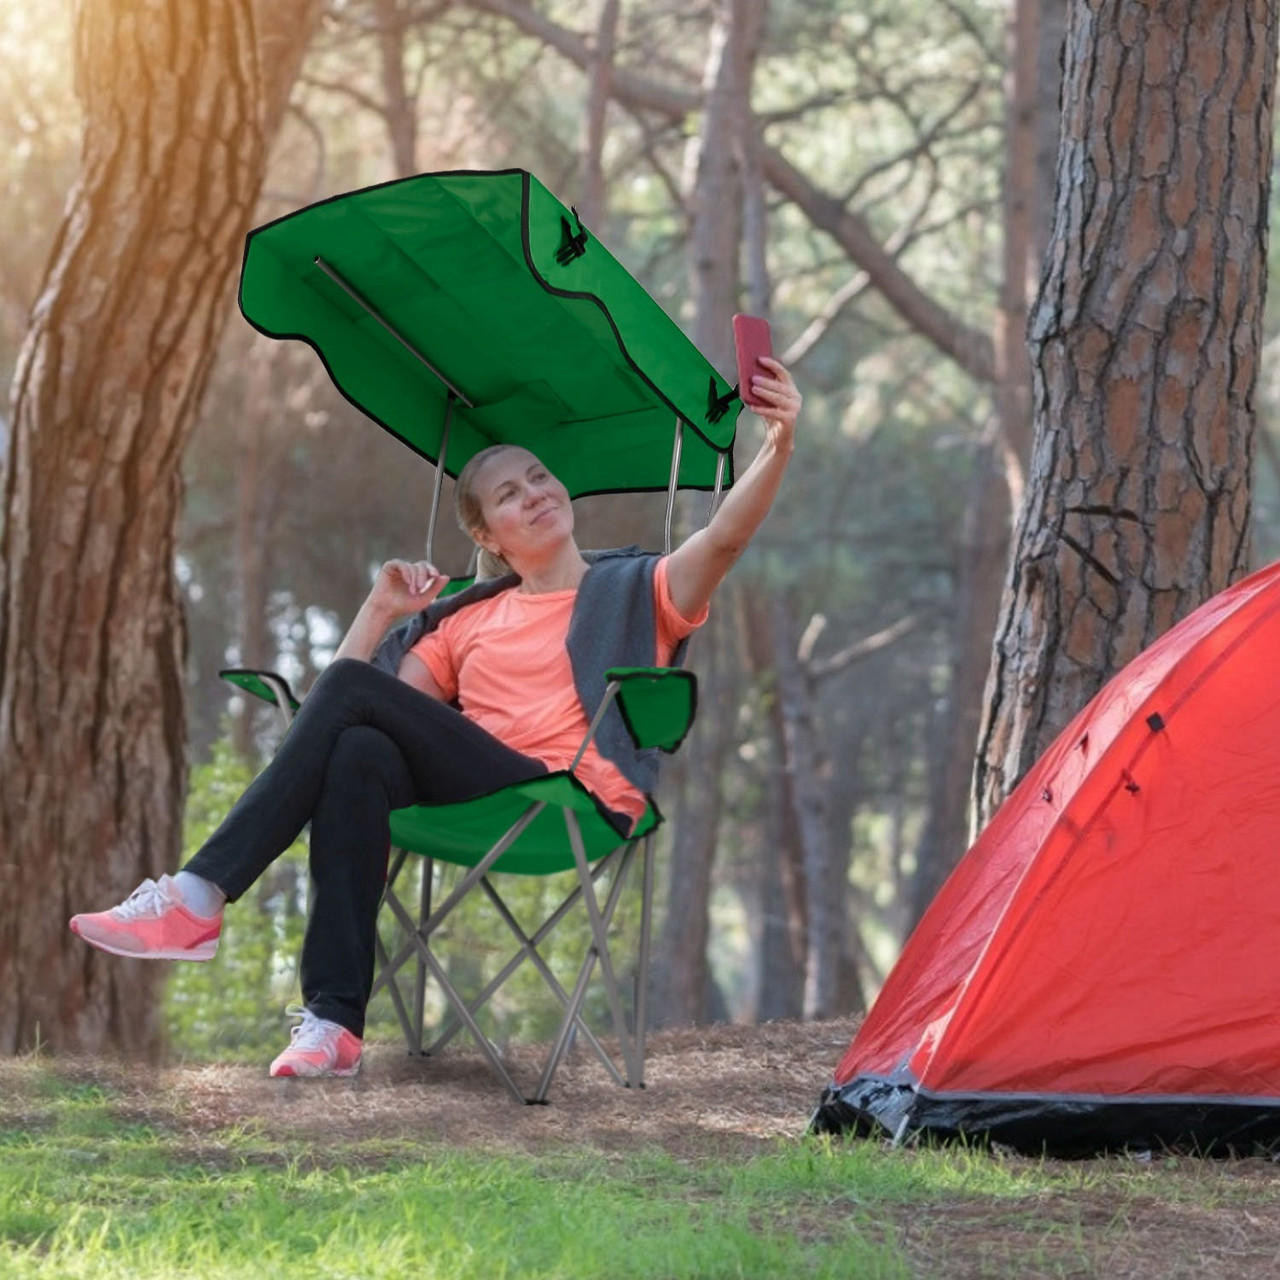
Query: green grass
90	1188
86	1191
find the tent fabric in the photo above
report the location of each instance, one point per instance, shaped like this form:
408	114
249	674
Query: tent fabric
1100	969
533	321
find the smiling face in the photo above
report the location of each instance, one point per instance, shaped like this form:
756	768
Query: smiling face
526	511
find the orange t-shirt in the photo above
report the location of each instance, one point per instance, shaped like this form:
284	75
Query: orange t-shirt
504	660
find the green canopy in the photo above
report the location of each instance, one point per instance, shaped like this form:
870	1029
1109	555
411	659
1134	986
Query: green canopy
485	283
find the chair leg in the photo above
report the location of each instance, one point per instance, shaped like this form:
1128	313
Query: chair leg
642	960
386	976
573	1010
601	943
397	1001
420	983
464	886
528	951
457	1001
599	917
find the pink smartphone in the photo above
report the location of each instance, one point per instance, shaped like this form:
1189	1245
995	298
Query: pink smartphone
751	340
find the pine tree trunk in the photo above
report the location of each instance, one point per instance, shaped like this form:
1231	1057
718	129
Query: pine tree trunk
824	871
1145	342
714	184
683	993
399	103
92	728
599	90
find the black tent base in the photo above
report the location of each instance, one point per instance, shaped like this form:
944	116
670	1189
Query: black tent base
1063	1125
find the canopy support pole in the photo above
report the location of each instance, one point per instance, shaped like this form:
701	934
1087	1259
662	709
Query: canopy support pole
369	309
439	484
715	497
677	446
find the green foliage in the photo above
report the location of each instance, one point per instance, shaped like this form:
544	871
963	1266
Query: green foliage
230	1008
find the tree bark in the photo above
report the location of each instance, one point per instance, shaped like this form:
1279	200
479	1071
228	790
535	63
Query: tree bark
1145	340
92	749
714	175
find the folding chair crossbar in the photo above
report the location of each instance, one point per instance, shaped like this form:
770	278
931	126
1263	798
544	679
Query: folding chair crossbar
463	1011
451	993
389	966
397	1000
528	951
600	946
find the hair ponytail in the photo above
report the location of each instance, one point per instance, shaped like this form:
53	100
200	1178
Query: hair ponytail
470	516
490	565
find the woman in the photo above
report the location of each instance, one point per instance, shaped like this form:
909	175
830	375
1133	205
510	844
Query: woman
519	655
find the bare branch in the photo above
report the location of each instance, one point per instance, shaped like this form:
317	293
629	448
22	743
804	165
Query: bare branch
971	348
934	133
864	648
648	148
346	90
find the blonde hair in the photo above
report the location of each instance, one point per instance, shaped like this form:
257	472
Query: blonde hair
470	514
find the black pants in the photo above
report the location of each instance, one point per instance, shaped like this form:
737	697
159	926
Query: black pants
363	743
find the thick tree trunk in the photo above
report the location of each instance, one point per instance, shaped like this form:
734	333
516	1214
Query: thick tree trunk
1145	341
92	767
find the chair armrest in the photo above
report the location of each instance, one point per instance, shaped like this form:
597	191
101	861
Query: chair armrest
657	703
266	685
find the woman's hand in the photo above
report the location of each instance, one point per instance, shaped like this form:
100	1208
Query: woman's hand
781	406
404	587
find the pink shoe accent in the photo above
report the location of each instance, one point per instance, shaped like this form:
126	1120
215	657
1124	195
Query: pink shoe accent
318	1047
152	923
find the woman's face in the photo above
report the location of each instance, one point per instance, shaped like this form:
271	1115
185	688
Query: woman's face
526	510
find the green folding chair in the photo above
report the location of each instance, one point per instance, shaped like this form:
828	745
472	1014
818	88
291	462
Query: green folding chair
458	311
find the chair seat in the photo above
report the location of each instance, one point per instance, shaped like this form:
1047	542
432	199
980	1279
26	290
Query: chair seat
464	833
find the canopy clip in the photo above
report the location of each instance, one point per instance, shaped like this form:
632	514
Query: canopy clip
1129	784
1156	721
571	246
718	406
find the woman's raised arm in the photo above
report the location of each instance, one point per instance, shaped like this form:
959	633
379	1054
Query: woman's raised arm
698	566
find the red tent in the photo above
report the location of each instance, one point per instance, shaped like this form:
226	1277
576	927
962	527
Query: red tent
1103	967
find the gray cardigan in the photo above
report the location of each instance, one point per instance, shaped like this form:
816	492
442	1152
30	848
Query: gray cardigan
613	625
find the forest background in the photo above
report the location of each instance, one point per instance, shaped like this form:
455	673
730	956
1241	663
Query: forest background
879	180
